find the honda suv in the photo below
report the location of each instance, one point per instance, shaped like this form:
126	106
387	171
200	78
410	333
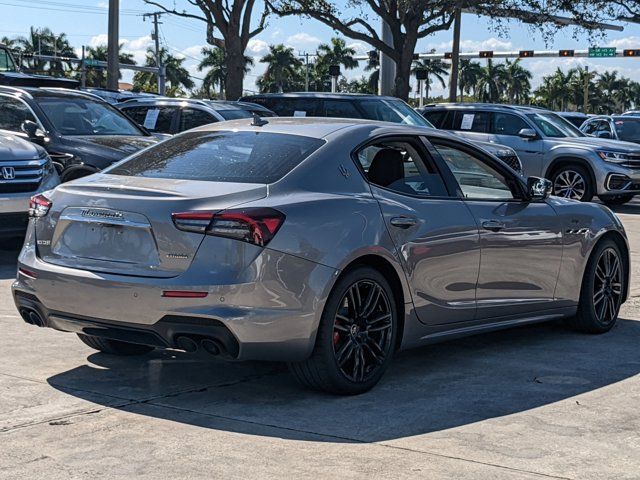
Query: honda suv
579	166
25	170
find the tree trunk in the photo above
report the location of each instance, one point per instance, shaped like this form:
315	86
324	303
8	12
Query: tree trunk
403	67
235	71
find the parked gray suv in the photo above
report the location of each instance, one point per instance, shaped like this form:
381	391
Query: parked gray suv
25	170
579	166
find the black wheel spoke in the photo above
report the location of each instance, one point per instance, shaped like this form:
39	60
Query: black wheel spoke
607	288
371	301
598	297
345	352
377	357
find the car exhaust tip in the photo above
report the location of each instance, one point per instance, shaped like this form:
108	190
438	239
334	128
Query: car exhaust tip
187	344
32	317
211	346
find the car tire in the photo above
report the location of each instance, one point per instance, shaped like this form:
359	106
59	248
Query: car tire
602	290
355	339
114	347
573	181
615	200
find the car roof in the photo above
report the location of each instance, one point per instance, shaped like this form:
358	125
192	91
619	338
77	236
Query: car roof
48	92
322	127
486	106
320	95
214	104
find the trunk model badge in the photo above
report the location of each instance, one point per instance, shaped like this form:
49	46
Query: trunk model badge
100	214
179	256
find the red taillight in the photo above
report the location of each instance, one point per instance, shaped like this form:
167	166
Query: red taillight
253	225
27	273
183	294
39	206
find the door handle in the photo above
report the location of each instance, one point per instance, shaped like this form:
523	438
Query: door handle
403	222
493	225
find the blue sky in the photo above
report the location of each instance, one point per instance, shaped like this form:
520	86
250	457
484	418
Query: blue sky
87	25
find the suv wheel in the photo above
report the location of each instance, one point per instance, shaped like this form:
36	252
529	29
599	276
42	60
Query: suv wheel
572	181
356	336
613	200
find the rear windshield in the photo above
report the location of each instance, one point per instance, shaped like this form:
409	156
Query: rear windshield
222	156
234	114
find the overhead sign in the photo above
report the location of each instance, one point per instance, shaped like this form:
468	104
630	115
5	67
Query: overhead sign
602	52
89	62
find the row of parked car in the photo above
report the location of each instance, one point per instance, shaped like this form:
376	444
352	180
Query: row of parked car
56	134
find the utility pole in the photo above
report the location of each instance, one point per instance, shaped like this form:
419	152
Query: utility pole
83	70
387	65
587	80
306	70
113	46
455	56
156	37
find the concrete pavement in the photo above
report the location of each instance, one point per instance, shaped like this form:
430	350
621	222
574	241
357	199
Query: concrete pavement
534	402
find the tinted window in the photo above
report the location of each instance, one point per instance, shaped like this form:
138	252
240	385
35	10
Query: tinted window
84	116
507	124
628	129
476	179
12	113
193	117
289	107
436	117
6	62
553	125
244	157
395	111
590	128
471	121
340	109
234	114
399	166
154	119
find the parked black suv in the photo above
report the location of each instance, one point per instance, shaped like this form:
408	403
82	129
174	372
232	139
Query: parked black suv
369	107
82	133
10	75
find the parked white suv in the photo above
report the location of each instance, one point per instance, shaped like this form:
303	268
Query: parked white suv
25	170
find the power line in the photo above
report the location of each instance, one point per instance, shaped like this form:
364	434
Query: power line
70	9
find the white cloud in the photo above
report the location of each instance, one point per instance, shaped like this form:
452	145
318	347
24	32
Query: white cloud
193	51
360	48
257	48
626	42
303	38
474	45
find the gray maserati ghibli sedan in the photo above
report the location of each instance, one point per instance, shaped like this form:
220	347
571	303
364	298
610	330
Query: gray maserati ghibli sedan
328	244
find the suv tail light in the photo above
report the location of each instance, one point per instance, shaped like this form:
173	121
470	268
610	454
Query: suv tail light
39	206
252	225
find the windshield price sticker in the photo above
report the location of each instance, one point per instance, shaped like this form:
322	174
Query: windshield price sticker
151	118
467	121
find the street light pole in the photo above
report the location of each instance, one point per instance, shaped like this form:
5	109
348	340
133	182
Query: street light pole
387	65
113	47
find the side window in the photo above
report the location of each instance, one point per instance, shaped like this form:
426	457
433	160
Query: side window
340	109
590	128
469	121
193	117
154	119
436	117
398	166
12	113
477	180
507	124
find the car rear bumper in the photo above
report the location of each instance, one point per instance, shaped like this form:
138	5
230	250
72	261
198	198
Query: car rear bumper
274	317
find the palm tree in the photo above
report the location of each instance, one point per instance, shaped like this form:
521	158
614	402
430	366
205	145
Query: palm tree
177	75
45	42
215	60
468	76
284	69
373	66
96	77
335	53
435	68
492	82
518	81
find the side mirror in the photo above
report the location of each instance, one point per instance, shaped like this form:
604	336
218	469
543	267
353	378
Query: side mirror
538	188
34	132
528	134
604	134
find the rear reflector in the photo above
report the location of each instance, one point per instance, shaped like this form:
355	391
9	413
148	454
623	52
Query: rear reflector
27	273
39	206
252	225
183	294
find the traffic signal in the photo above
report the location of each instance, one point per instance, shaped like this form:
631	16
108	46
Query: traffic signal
416	56
373	56
334	70
631	52
526	53
448	55
486	54
566	53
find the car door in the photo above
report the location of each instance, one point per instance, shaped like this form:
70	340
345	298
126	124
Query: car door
505	129
520	241
434	232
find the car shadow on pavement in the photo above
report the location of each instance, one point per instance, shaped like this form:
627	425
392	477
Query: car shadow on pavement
431	389
9	251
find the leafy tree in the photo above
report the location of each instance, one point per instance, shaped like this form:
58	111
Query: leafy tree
45	42
214	60
230	26
177	76
335	53
435	68
96	77
517	81
284	70
468	76
492	82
